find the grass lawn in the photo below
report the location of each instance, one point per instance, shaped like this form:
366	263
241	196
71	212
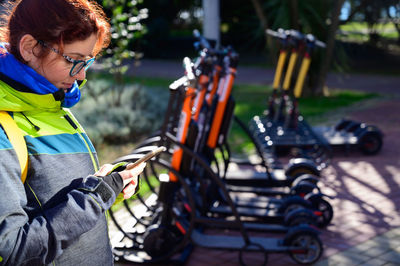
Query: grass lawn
356	30
252	100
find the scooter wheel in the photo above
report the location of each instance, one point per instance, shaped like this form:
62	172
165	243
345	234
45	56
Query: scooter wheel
303	188
370	143
158	240
300	216
293	203
326	210
305	248
306	177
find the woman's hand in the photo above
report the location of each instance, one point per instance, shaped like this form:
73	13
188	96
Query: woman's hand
129	177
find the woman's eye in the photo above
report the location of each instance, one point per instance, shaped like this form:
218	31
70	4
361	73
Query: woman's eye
68	61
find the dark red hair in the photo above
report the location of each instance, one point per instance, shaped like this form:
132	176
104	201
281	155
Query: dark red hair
55	22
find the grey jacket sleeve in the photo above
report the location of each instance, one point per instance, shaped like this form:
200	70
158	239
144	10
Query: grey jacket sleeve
44	237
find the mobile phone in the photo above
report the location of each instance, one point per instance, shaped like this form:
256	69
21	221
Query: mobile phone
146	157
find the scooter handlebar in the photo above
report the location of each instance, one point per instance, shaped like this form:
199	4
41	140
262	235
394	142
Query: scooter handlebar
188	69
202	41
295	36
178	83
320	44
280	33
187	79
312	40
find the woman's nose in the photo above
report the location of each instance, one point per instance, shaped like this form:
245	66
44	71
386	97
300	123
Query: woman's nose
81	75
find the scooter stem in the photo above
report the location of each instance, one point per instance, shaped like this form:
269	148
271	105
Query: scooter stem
305	65
278	73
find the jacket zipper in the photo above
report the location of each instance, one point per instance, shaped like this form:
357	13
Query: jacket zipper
74	125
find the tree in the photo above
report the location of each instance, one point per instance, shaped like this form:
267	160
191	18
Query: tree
126	29
310	16
117	112
394	18
330	44
264	26
375	12
162	19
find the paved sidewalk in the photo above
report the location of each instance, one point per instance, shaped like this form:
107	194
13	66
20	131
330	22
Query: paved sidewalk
380	250
366	223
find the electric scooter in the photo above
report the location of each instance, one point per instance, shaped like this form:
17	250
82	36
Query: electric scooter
296	133
176	214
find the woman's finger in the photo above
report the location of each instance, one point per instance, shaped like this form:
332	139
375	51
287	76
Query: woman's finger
129	190
127	174
138	169
104	170
127	181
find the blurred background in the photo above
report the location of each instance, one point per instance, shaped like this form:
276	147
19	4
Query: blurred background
121	106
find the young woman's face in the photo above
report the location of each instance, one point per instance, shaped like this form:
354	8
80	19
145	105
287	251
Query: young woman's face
56	69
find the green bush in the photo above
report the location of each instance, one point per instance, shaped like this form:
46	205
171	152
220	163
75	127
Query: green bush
115	114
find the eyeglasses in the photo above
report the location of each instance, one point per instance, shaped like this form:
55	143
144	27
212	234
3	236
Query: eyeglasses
77	65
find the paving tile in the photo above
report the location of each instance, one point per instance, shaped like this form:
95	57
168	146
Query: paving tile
374	262
358	239
365	246
393	233
376	251
325	263
280	259
333	262
382	240
230	256
329	251
349	258
391	256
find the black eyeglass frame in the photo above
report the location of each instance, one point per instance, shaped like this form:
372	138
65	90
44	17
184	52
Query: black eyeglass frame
83	63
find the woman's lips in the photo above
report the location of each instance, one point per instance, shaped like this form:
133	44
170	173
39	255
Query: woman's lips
67	86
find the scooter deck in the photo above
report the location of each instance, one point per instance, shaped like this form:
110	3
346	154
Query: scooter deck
263	227
251	177
236	242
266	191
249	200
336	138
265	214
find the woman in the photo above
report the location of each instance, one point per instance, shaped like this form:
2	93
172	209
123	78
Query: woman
57	216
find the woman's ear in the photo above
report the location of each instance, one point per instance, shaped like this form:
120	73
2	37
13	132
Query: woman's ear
26	46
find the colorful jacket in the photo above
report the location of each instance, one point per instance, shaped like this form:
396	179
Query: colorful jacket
57	216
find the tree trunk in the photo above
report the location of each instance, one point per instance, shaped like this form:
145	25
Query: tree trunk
330	44
211	22
395	21
294	11
264	25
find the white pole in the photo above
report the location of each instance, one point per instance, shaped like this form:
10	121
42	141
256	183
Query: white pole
211	20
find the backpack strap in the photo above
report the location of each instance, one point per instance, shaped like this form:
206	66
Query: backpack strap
17	140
